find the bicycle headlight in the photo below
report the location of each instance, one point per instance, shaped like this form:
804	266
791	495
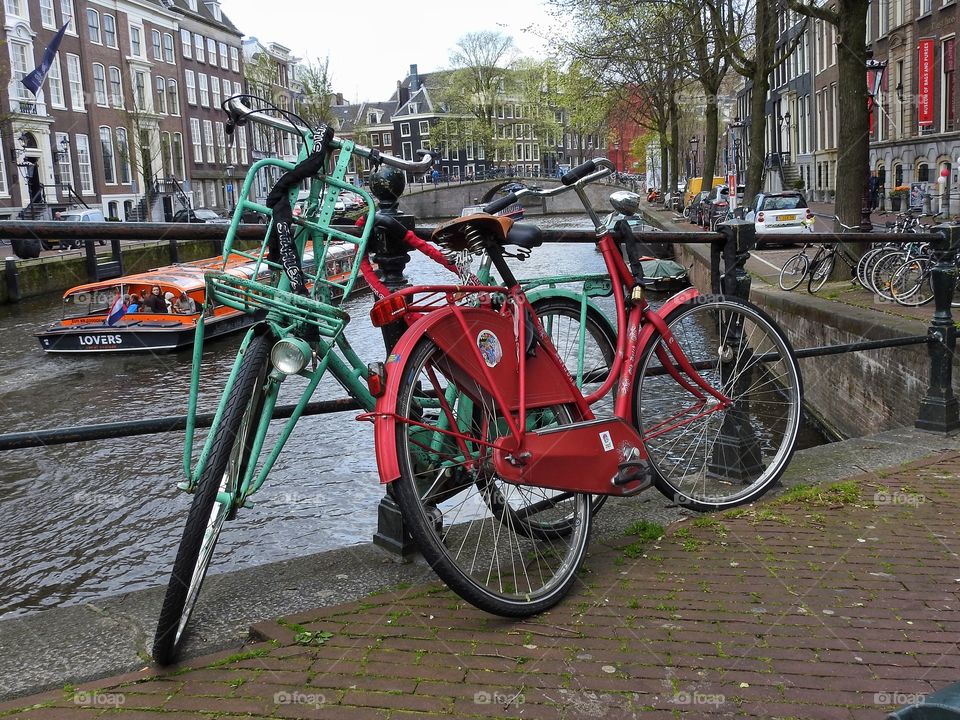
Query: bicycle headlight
290	355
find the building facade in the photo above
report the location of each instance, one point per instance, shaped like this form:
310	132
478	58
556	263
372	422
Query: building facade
111	124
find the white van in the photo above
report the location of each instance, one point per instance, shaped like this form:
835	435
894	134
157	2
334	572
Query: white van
75	215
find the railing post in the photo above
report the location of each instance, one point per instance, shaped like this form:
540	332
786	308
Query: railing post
938	410
90	260
740	237
736	454
117	254
391	256
174	251
13	280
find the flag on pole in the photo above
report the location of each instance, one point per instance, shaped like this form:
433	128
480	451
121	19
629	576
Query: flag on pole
35	79
117	310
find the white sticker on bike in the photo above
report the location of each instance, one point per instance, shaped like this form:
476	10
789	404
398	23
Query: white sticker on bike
606	441
490	348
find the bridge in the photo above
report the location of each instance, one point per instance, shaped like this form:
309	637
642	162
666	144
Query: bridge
447	200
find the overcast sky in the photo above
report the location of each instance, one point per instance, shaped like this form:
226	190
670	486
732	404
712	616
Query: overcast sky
372	44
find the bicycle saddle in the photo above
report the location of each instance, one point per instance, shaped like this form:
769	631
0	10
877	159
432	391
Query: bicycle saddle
468	233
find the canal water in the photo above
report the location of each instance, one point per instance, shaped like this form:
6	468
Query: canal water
85	520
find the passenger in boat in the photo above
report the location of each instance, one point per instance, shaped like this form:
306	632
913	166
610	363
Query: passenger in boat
133	303
168	298
154	303
185	305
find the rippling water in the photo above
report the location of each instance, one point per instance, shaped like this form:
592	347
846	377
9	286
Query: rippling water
84	520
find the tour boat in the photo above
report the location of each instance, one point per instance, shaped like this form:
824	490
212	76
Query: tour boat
89	322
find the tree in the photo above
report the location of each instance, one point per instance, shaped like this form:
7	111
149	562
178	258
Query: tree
850	19
316	92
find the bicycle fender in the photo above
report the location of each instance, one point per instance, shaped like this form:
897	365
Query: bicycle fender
648	329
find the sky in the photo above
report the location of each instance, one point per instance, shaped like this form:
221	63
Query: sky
372	44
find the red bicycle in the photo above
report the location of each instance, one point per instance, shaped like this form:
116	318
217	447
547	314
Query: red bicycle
495	453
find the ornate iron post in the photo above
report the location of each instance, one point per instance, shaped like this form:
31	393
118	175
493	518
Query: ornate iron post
938	410
391	256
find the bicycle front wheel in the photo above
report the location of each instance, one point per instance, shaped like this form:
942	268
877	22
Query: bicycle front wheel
706	453
508	549
213	500
793	272
820	273
912	284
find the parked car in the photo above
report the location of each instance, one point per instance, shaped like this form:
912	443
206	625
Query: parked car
780	212
76	215
694	210
694	186
715	206
198	215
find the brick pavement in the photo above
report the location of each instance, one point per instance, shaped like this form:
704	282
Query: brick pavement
832	602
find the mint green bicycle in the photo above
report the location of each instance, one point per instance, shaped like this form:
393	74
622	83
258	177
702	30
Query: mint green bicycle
300	331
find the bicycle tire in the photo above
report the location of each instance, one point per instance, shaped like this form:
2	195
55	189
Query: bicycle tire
693	463
883	270
911	284
225	464
560	317
453	502
820	272
864	265
793	272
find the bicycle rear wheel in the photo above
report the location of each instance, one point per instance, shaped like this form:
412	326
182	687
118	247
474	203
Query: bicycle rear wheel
820	273
704	455
213	500
883	271
912	283
793	272
508	549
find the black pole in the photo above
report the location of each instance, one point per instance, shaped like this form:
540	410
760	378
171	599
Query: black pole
938	409
90	260
391	256
13	280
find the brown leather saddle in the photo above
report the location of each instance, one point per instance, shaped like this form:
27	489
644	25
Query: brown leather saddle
469	233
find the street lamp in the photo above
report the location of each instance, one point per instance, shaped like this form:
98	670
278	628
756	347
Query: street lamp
694	143
230	169
876	67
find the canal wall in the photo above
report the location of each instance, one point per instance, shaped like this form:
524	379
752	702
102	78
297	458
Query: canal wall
850	394
59	273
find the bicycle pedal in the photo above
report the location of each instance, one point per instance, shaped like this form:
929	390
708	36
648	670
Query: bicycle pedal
633	471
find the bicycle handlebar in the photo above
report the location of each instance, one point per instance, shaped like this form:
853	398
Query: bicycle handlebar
239	113
584	174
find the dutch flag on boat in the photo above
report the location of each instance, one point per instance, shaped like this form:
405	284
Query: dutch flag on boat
117	311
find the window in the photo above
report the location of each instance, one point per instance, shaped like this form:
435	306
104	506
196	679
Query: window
64	166
165	157
99	85
407	149
157	47
109	31
116	87
234	59
47	18
83	163
140	90
192	4
136	41
424	127
123	154
212	51
168	48
215	89
161	104
173	99
76	84
242	132
923	172
66	13
56	84
186	43
191	87
198	46
19	67
178	156
221	144
93	26
208	139
883	19
106	146
195	138
925	6
204	90
388	140
404	129
222	47
233	148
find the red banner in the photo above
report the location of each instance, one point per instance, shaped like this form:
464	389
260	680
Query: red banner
925	82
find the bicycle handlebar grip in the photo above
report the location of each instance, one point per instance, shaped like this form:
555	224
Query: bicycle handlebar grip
579	172
498	205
